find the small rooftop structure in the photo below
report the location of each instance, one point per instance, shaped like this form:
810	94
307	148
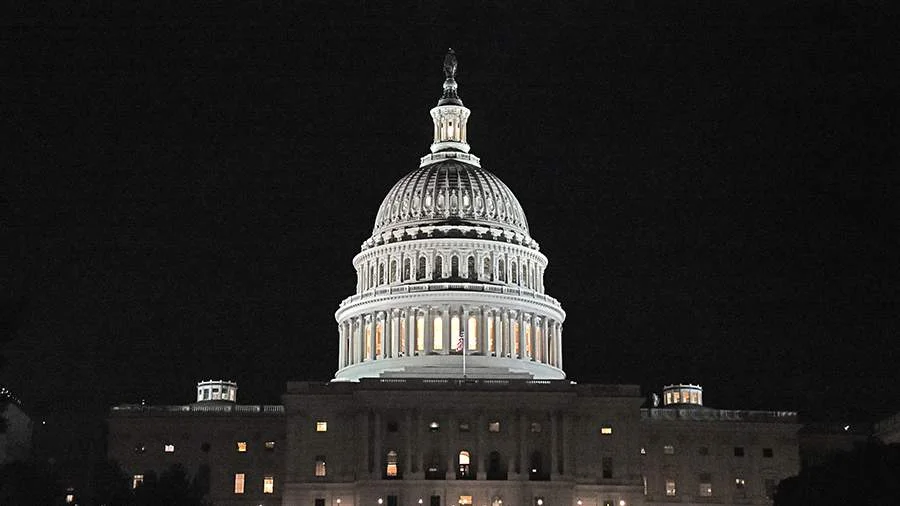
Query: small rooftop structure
682	394
217	390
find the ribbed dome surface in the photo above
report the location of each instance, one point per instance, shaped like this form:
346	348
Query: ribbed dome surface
447	193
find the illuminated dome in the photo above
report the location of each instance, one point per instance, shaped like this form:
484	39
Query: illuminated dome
450	284
448	196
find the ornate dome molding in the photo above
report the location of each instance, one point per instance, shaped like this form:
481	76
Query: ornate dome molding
447	196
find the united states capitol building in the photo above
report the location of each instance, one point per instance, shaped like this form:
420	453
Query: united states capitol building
450	387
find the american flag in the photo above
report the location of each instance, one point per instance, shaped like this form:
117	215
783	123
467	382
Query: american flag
461	343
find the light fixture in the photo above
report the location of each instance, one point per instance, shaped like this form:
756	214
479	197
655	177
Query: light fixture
380	501
621	502
338	500
578	502
540	501
420	500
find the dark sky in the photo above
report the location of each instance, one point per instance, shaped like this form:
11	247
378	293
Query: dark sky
714	189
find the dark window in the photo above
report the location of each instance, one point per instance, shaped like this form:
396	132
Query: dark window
472	272
738	451
536	471
320	501
454	266
703	450
392	426
392	500
204	448
607	467
771	486
768	453
435	500
438	268
496	467
420	272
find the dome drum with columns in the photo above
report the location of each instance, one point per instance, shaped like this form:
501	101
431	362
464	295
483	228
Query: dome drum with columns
450	283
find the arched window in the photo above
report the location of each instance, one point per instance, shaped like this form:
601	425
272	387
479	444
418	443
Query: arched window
454	266
471	270
380	273
501	270
406	269
393	276
371	282
420	272
512	272
464	469
438	268
525	280
390	467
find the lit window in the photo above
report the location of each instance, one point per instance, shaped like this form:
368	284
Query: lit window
494	426
241	446
269	445
739	483
705	489
320	466
669	450
738	451
768	453
535	427
169	448
465	500
606	431
268	485
321	426
438	335
434	426
670	487
137	480
239	483
391	467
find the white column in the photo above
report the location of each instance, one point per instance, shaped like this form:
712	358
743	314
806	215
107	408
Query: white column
358	351
505	334
445	331
521	320
429	332
410	331
483	337
341	338
394	334
559	357
370	353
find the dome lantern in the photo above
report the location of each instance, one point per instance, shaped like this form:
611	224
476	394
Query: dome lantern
450	119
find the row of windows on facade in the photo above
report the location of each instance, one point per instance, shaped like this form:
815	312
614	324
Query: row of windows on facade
465	500
464	468
527	274
435	426
240	447
705	488
240	482
703	451
537	343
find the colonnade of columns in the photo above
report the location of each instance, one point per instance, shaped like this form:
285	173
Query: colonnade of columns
446	329
416	451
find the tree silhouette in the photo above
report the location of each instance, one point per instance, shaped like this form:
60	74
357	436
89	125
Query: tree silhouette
869	475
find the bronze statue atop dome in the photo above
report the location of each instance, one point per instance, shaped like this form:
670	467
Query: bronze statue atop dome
450	64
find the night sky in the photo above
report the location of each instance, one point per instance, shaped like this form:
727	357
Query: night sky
184	190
